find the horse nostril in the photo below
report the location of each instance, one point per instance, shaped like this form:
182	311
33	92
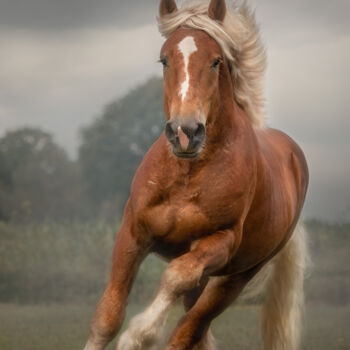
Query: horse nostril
170	133
200	131
193	130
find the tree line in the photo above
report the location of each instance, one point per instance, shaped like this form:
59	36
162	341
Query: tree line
38	181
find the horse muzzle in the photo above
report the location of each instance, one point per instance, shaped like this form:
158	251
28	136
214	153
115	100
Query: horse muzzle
186	138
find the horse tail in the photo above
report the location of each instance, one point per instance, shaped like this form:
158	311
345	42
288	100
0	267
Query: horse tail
283	306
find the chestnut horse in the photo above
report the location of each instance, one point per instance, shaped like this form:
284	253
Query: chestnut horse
218	194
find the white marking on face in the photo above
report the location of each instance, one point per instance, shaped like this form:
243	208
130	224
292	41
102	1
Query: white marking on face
187	47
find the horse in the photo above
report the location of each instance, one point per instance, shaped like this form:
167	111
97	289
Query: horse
218	195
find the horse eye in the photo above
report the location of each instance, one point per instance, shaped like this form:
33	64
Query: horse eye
164	61
216	62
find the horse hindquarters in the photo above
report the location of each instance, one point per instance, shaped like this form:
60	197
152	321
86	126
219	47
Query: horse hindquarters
283	306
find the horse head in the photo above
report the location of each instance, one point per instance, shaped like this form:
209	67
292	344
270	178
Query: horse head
192	62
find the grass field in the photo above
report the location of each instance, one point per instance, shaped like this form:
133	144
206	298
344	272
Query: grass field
64	326
51	275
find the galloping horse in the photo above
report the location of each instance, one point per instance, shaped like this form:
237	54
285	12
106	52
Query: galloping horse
218	194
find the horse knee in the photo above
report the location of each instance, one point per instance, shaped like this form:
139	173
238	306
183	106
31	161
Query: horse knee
182	275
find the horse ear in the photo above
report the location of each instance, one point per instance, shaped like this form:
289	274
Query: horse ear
166	7
217	10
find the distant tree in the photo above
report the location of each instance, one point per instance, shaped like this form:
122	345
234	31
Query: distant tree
5	185
37	179
114	144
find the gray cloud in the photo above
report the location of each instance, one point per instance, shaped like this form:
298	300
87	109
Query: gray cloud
277	16
73	14
56	83
320	16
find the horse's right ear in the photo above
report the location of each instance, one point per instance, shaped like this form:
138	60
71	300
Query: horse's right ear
166	7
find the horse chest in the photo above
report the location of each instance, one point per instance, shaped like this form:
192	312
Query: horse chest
185	213
176	221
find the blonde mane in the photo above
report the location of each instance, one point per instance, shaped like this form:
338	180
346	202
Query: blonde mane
240	42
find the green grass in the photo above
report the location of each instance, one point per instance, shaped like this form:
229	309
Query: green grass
65	326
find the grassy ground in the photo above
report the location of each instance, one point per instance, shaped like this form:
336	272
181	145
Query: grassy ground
51	275
51	327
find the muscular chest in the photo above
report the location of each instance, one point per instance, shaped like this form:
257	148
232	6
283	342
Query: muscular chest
188	208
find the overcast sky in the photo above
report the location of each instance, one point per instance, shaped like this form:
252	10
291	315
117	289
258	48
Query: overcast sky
61	61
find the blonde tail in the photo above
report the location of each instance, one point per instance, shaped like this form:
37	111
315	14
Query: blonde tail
283	306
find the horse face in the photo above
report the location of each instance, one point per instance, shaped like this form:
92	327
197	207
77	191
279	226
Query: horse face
192	62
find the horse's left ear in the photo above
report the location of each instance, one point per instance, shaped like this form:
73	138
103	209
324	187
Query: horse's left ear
217	10
166	7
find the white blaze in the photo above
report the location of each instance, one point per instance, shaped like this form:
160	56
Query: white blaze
187	47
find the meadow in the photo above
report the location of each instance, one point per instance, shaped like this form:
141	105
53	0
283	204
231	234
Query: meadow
52	274
65	326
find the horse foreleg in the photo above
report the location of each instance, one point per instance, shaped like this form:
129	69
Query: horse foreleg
182	275
109	315
191	331
190	298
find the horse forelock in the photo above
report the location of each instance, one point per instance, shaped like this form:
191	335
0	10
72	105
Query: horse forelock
239	38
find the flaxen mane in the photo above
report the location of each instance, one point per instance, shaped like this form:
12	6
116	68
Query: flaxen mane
241	43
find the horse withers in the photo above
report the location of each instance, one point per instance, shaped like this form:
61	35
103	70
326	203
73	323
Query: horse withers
218	194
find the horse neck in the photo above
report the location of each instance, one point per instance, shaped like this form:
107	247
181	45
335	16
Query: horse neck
226	120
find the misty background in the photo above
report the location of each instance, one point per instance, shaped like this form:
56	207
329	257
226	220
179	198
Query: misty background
63	61
80	104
